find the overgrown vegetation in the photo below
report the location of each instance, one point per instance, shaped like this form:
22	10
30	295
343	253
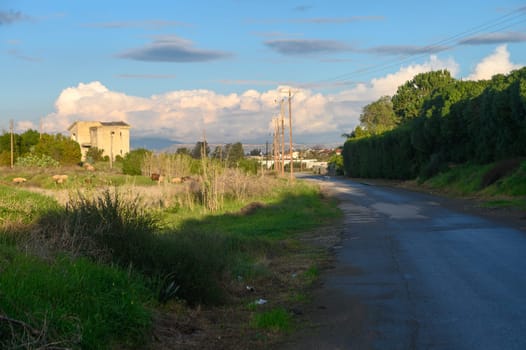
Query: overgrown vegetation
444	121
501	183
108	256
68	303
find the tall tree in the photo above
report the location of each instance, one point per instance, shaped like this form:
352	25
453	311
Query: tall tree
234	153
409	98
198	149
378	117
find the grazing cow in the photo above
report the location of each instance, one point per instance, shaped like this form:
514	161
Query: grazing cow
155	177
19	180
176	180
59	178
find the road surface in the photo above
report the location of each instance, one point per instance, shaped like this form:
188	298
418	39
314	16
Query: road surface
412	273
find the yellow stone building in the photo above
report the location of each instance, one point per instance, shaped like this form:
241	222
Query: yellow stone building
112	137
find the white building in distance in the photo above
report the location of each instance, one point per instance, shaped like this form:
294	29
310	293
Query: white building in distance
112	137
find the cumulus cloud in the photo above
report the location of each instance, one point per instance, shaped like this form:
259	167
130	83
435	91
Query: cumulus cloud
306	46
172	49
247	117
496	63
388	84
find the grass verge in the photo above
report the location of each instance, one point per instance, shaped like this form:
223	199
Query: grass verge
192	258
70	303
498	185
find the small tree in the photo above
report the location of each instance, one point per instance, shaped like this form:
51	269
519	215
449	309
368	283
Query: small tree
133	161
234	153
197	151
61	148
94	154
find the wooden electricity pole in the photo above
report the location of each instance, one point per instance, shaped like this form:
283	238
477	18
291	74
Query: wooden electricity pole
276	144
290	137
11	127
282	137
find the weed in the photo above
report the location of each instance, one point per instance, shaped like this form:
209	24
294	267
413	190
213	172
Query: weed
311	275
71	303
275	320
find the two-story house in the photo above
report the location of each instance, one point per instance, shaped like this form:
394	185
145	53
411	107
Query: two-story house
112	137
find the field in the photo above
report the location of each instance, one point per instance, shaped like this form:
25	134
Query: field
105	260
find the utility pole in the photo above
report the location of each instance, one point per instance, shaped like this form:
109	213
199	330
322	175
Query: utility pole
290	137
266	155
276	143
282	137
11	127
111	149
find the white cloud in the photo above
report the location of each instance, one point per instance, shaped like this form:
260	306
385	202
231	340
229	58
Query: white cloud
388	84
23	126
496	63
183	115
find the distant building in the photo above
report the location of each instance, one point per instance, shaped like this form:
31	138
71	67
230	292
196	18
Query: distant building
112	137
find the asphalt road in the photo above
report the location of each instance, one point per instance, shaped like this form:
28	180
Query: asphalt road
412	273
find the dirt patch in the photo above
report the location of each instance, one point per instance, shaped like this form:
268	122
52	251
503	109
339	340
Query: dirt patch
177	326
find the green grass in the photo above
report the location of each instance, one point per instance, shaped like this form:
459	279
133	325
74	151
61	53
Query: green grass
506	203
513	185
275	320
198	252
20	206
311	275
466	180
75	302
292	210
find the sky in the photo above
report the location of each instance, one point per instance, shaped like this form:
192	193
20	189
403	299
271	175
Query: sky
180	69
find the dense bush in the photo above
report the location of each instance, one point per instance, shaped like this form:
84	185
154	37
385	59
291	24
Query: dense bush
133	161
94	154
114	229
458	121
37	160
59	147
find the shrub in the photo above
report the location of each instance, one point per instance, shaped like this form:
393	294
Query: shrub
37	160
107	228
133	161
94	154
114	229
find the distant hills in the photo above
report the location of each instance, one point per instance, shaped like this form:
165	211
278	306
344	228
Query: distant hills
164	144
152	143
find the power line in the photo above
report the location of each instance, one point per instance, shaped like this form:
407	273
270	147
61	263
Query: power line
498	24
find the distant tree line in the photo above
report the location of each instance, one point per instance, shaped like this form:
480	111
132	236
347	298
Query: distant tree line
434	120
230	155
31	143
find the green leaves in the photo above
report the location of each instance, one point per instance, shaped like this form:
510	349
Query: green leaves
443	121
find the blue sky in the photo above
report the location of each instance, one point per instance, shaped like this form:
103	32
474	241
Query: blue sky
175	68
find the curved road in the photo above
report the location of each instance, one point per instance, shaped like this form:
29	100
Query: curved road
413	274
